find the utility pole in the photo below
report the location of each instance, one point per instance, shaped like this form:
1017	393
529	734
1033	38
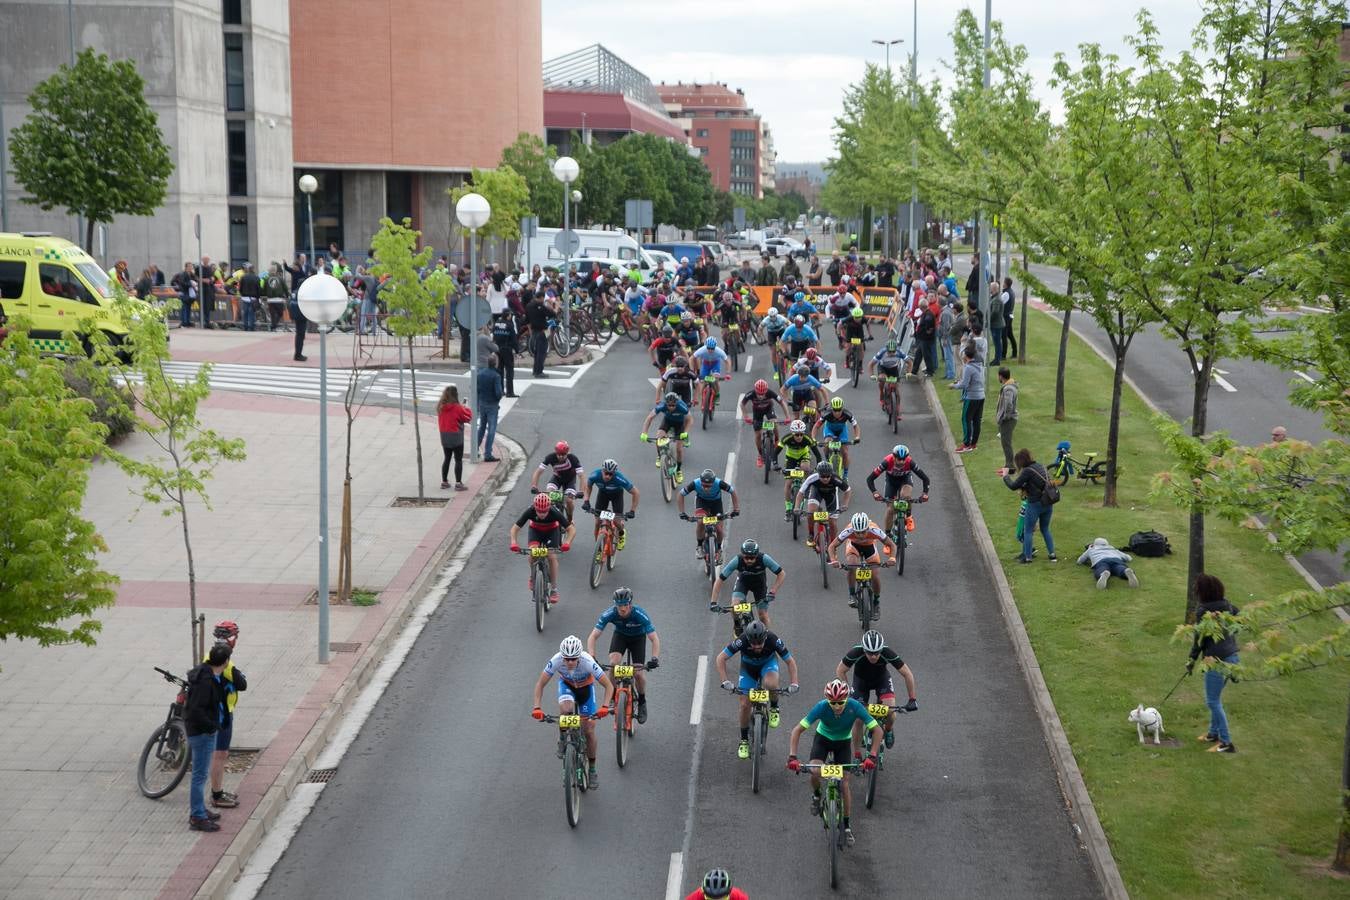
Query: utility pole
914	137
983	240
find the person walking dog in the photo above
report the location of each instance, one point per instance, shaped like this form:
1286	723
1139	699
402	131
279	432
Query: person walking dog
1224	648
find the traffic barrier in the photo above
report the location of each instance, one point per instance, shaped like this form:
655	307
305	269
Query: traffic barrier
877	302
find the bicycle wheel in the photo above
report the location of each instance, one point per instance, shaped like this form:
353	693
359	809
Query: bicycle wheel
766	453
667	481
709	551
707	412
895	410
572	785
597	561
857	367
621	703
834	827
796	525
605	326
1060	475
609	552
164	760
900	546
821	543
756	748
540	597
872	777
866	601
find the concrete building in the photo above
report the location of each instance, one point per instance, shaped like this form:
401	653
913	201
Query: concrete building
725	130
600	98
767	158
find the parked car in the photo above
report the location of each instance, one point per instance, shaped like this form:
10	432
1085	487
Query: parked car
751	239
718	253
785	246
663	258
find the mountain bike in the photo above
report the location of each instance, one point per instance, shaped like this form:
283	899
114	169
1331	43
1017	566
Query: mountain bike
832	808
669	466
731	337
712	541
890	400
834	454
709	396
819	534
606	542
540	584
881	712
576	777
767	441
624	719
796	476
1088	469
759	726
742	612
165	757
901	526
865	593
853	358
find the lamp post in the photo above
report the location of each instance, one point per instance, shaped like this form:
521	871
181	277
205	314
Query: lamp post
308	185
473	212
886	239
982	246
565	169
322	300
914	137
888	45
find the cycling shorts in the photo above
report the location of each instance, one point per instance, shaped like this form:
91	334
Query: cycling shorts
883	685
829	500
752	584
826	750
635	644
866	552
709	367
891	489
757	416
609	500
752	674
547	538
706	507
683	389
836	430
672	426
584	696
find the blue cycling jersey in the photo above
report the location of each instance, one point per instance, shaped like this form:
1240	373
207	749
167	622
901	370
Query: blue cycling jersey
756	569
711	492
617	483
799	334
798	385
889	359
710	360
804	308
676	415
672	311
635	623
775	326
838	726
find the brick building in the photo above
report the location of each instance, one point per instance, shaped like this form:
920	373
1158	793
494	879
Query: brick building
726	132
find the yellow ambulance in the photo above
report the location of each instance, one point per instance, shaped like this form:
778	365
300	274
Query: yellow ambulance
57	287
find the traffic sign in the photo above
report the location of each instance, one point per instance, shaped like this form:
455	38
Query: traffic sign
567	242
738	217
529	226
462	310
637	214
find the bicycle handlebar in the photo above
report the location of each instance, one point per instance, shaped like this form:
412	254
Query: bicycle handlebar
790	689
169	676
637	667
548	718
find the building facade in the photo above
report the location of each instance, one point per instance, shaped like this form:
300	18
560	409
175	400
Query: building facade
594	95
725	131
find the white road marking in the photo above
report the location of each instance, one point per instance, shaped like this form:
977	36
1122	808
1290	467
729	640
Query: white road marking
700	684
1306	377
749	361
674	876
1217	375
274	843
730	470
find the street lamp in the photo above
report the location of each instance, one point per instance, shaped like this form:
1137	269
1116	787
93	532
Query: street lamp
308	185
473	212
565	169
888	45
576	205
913	138
322	300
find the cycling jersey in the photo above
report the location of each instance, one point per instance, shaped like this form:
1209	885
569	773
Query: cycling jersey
889	361
854	328
803	308
799	337
814	488
710	360
897	472
712	493
796	447
636	623
634	297
654	304
774	326
554	520
761	405
674	418
798	385
564	468
857	660
837	726
681	381
617	483
665	348
837	422
773	646
692	336
736	894
729	313
672	311
584	672
841	305
863	541
765	563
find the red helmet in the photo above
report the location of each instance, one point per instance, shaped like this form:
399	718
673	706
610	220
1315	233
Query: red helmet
541	503
811	353
836	691
562	447
728	296
761	386
226	631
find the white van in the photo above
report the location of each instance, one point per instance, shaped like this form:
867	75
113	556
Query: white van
595	243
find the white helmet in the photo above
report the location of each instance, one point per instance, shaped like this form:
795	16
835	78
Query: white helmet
773	312
797	427
570	647
860	522
872	642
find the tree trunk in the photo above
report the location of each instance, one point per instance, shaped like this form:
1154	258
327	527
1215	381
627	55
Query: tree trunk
89	244
1195	554
1342	861
417	430
192	577
345	545
1022	330
1113	430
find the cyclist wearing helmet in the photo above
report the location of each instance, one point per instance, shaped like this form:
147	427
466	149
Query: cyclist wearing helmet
663	349
226	632
795	447
653	309
751	566
840	306
674	415
678	377
899	468
833	719
762	399
802	387
710	358
869	660
633	628
774	325
728	311
673	310
689	332
635	295
838	424
860	539
564	466
819	368
822	489
886	364
855	328
799	336
610	485
708	490
760	650
577	673
802	306
716	886
547	526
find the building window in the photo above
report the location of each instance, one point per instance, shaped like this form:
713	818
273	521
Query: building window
234	12
702	132
702	151
237	146
238	236
743	136
398	191
234	72
327	211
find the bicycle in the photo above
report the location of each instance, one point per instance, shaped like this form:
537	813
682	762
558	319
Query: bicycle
742	612
900	528
890	399
767	439
834	454
576	776
731	338
712	544
759	725
541	585
881	712
165	756
669	466
710	395
832	808
606	540
819	534
865	594
854	359
624	720
796	477
1089	469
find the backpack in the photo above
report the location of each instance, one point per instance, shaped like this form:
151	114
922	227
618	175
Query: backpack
274	286
1148	543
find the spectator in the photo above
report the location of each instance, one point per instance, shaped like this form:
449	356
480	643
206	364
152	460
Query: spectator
489	397
971	386
886	272
206	279
956	332
157	275
451	417
369	311
250	295
201	720
1009	308
789	269
1107	561
1005	416
711	271
232	679
185	283
835	270
976	340
486	346
145	285
746	273
1031	480
504	336
996	322
1279	434
814	274
537	314
299	272
925	330
1209	591
973	281
766	276
274	289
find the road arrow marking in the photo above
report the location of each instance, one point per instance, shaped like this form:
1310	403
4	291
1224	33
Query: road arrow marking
1217	375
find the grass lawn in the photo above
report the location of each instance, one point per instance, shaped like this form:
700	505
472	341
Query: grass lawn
1182	822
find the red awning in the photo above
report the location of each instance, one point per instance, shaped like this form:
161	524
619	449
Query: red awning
606	112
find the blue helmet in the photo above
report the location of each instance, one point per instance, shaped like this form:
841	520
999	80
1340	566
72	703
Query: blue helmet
799	296
900	451
1062	447
711	343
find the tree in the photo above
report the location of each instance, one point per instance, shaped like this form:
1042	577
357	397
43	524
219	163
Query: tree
533	160
415	302
92	144
50	579
507	194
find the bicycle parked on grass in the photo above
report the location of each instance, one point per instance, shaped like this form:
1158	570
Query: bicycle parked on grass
624	717
759	725
165	757
540	583
1066	466
576	780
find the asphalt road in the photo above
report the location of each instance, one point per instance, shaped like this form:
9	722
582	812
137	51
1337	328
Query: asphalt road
452	790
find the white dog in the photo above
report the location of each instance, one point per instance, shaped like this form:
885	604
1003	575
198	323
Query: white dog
1147	718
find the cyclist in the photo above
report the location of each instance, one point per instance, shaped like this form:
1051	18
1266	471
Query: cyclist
760	650
673	311
838	424
674	417
710	359
728	311
633	628
823	488
899	468
634	295
564	465
653	310
799	336
761	399
886	364
774	325
689	332
833	719
577	673
869	660
717	886
751	565
803	307
678	377
840	307
801	387
663	349
708	490
795	447
816	364
855	326
548	525
610	485
860	538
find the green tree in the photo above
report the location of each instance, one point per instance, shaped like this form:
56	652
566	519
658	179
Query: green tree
506	192
50	579
92	144
415	302
533	160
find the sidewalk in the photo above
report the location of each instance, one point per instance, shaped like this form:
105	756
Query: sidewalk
73	719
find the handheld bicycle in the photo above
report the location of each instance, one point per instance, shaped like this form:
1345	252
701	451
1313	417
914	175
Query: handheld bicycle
165	756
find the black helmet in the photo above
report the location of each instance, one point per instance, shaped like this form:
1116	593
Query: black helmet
667	332
671	397
681	362
750	547
823	468
707	476
717	883
623	596
755	632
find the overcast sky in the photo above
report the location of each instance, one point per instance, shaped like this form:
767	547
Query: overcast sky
794	58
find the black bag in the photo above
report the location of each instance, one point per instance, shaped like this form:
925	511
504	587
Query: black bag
1148	543
1050	496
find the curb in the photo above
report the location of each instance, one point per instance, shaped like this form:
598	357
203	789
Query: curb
1076	797
588	353
231	864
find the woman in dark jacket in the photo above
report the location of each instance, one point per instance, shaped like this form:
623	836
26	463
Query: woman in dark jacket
1224	648
202	717
1031	479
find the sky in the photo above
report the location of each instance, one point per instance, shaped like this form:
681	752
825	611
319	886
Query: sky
795	58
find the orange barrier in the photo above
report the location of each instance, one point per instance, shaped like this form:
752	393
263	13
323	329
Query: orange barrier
877	302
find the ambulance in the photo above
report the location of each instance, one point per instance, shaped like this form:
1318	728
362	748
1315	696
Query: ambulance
57	287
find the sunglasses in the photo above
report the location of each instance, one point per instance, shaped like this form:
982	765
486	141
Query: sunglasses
838	704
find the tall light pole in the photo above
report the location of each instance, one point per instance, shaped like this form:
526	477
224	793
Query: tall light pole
322	300
914	137
473	212
308	185
886	239
888	45
982	246
566	170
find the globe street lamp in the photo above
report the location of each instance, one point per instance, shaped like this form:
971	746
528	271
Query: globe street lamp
565	169
473	212
322	300
308	185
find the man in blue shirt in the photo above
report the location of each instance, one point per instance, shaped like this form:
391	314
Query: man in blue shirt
633	628
801	386
610	485
751	566
708	490
674	415
799	336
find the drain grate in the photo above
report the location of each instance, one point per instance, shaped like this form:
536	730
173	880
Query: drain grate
342	647
320	776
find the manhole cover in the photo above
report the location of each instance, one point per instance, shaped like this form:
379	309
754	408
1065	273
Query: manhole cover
320	776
